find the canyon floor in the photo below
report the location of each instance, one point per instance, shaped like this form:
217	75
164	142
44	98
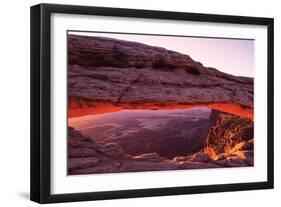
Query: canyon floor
149	140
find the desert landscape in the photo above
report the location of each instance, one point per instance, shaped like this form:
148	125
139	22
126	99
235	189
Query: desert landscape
134	107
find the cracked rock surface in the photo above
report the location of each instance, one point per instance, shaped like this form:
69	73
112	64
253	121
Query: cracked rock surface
120	72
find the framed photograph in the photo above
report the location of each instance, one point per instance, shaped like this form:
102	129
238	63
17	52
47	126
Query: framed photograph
133	103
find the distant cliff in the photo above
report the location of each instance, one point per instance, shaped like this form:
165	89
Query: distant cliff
228	131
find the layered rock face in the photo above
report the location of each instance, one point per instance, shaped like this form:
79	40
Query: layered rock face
228	131
109	74
231	140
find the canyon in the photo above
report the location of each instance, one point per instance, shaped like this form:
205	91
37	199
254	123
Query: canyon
108	76
169	133
198	149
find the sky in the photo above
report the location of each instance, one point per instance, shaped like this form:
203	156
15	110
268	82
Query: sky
232	56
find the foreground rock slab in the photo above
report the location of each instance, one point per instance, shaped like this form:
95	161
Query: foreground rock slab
88	157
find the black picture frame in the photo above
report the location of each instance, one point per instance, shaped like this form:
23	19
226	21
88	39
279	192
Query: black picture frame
40	176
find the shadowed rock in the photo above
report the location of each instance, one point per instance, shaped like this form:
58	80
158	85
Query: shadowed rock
80	163
87	157
197	165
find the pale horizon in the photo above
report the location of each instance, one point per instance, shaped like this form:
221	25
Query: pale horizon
232	56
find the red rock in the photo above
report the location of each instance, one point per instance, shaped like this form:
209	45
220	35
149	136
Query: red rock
81	152
181	158
198	165
153	157
138	166
249	156
229	131
111	149
130	74
78	163
200	157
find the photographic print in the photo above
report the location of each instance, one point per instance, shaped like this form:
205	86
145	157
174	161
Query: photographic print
130	103
142	102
